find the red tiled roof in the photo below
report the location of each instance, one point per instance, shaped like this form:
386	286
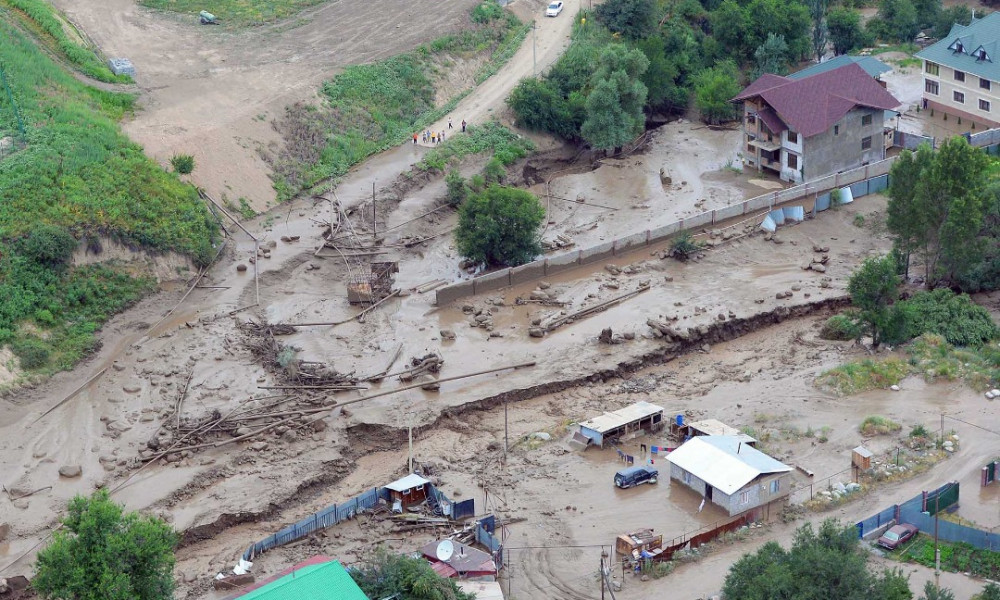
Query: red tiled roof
771	120
812	105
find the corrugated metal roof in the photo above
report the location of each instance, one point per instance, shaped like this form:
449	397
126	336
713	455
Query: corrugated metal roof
980	34
613	420
872	66
715	427
326	581
723	462
409	482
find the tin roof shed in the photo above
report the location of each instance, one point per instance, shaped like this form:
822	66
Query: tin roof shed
725	462
407	483
613	420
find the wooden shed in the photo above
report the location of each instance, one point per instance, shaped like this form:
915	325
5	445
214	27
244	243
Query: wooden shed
409	490
861	458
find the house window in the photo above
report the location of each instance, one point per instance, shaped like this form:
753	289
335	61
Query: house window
775	486
984	105
866	143
686	477
959	75
984	83
866	120
751	120
931	87
744	497
836	130
793	138
958	97
931	68
793	161
750	149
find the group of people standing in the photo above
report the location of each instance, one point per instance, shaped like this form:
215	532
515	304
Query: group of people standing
435	137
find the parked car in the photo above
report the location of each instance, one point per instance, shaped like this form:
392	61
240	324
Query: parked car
896	535
633	476
554	9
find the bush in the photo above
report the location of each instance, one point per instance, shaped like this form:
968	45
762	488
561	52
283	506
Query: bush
32	352
499	226
684	247
878	425
486	12
48	245
954	316
458	191
494	172
841	328
182	163
868	374
919	431
540	107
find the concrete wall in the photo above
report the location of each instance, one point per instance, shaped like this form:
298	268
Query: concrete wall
829	152
677	474
802	195
754	494
969	110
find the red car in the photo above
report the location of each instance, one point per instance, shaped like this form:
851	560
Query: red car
896	535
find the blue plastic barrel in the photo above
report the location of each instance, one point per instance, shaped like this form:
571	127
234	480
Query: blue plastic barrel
680	420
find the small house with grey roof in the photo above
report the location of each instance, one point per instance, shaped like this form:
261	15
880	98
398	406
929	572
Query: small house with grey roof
962	72
729	472
808	127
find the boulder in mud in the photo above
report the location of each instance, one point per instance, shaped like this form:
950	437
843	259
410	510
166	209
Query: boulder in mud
70	471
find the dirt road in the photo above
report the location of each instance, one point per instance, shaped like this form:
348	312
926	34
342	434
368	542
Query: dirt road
212	91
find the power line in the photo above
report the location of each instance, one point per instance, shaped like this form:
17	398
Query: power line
997	433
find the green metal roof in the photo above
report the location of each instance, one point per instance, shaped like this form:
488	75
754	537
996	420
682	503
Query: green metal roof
326	581
872	66
982	34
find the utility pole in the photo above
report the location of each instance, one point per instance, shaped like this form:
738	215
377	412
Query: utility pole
374	237
603	580
410	435
505	431
937	551
534	64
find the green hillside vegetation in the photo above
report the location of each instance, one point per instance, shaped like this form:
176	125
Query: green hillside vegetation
370	108
239	13
51	29
76	178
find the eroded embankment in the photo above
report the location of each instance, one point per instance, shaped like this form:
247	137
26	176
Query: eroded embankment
365	438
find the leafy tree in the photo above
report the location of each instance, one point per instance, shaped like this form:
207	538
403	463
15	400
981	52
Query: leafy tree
494	171
905	219
631	18
788	19
772	56
820	564
817	10
873	288
458	191
896	21
845	29
928	12
48	245
540	107
714	88
385	575
661	78
955	317
991	591
499	226
730	27
615	104
933	592
948	17
104	553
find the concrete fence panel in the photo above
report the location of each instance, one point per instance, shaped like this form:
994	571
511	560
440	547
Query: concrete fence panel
699	220
631	242
529	272
492	282
728	212
450	293
859	189
758	203
661	233
562	263
597	253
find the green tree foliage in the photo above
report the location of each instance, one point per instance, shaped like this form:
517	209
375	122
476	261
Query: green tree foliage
933	592
182	163
896	21
47	245
771	56
741	29
458	191
940	214
730	27
846	33
714	88
104	553
953	316
386	575
499	226
959	14
928	12
873	288
615	104
633	19
827	563
539	106
991	591
817	11
661	78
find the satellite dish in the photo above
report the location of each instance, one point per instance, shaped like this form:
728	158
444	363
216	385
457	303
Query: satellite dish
445	550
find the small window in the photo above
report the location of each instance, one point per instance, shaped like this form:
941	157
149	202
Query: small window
984	105
985	83
959	97
793	161
751	120
793	138
931	87
686	478
775	486
931	68
866	120
959	75
836	130
750	149
866	143
744	497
